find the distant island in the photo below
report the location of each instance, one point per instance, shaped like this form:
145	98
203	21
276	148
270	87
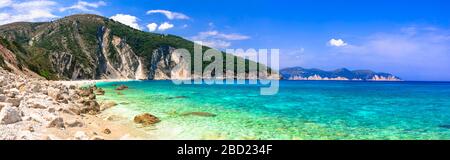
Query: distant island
343	74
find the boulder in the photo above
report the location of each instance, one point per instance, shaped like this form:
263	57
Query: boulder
38	103
54	93
74	123
80	135
9	115
92	97
146	119
14	101
57	122
3	104
12	93
2	98
100	92
107	131
122	87
85	92
90	107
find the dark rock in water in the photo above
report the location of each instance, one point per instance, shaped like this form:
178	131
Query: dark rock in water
178	97
200	114
146	119
446	126
122	87
119	93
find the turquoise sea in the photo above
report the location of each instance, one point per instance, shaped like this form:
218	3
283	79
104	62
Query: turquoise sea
301	110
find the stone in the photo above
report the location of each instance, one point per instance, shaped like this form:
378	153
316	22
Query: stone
201	114
97	138
14	101
2	98
91	107
74	123
57	122
54	93
3	104
38	104
85	92
100	92
9	115
92	97
51	110
12	93
107	131
107	105
122	87
146	119
80	135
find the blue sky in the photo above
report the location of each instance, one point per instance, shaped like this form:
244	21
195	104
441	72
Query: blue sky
410	39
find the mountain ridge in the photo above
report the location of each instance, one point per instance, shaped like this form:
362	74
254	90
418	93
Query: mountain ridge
87	46
299	73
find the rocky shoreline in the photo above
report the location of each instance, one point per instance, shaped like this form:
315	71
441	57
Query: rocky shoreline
36	109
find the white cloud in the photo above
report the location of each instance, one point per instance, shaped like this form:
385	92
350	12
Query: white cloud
29	11
216	44
5	3
169	14
84	6
165	26
217	39
128	20
337	43
152	27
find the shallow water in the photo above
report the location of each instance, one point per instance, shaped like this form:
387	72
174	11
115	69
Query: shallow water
301	110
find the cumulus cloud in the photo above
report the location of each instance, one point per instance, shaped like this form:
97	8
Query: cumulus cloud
152	27
169	14
217	39
128	20
337	43
29	11
165	26
84	6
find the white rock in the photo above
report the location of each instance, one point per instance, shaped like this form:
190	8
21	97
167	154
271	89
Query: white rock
80	135
9	115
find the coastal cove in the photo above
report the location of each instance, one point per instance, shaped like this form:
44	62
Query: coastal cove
302	110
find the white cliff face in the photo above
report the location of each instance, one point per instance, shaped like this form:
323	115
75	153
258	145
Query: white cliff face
119	63
382	78
182	69
141	73
318	78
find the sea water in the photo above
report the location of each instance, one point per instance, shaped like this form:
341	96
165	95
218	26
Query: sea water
301	110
